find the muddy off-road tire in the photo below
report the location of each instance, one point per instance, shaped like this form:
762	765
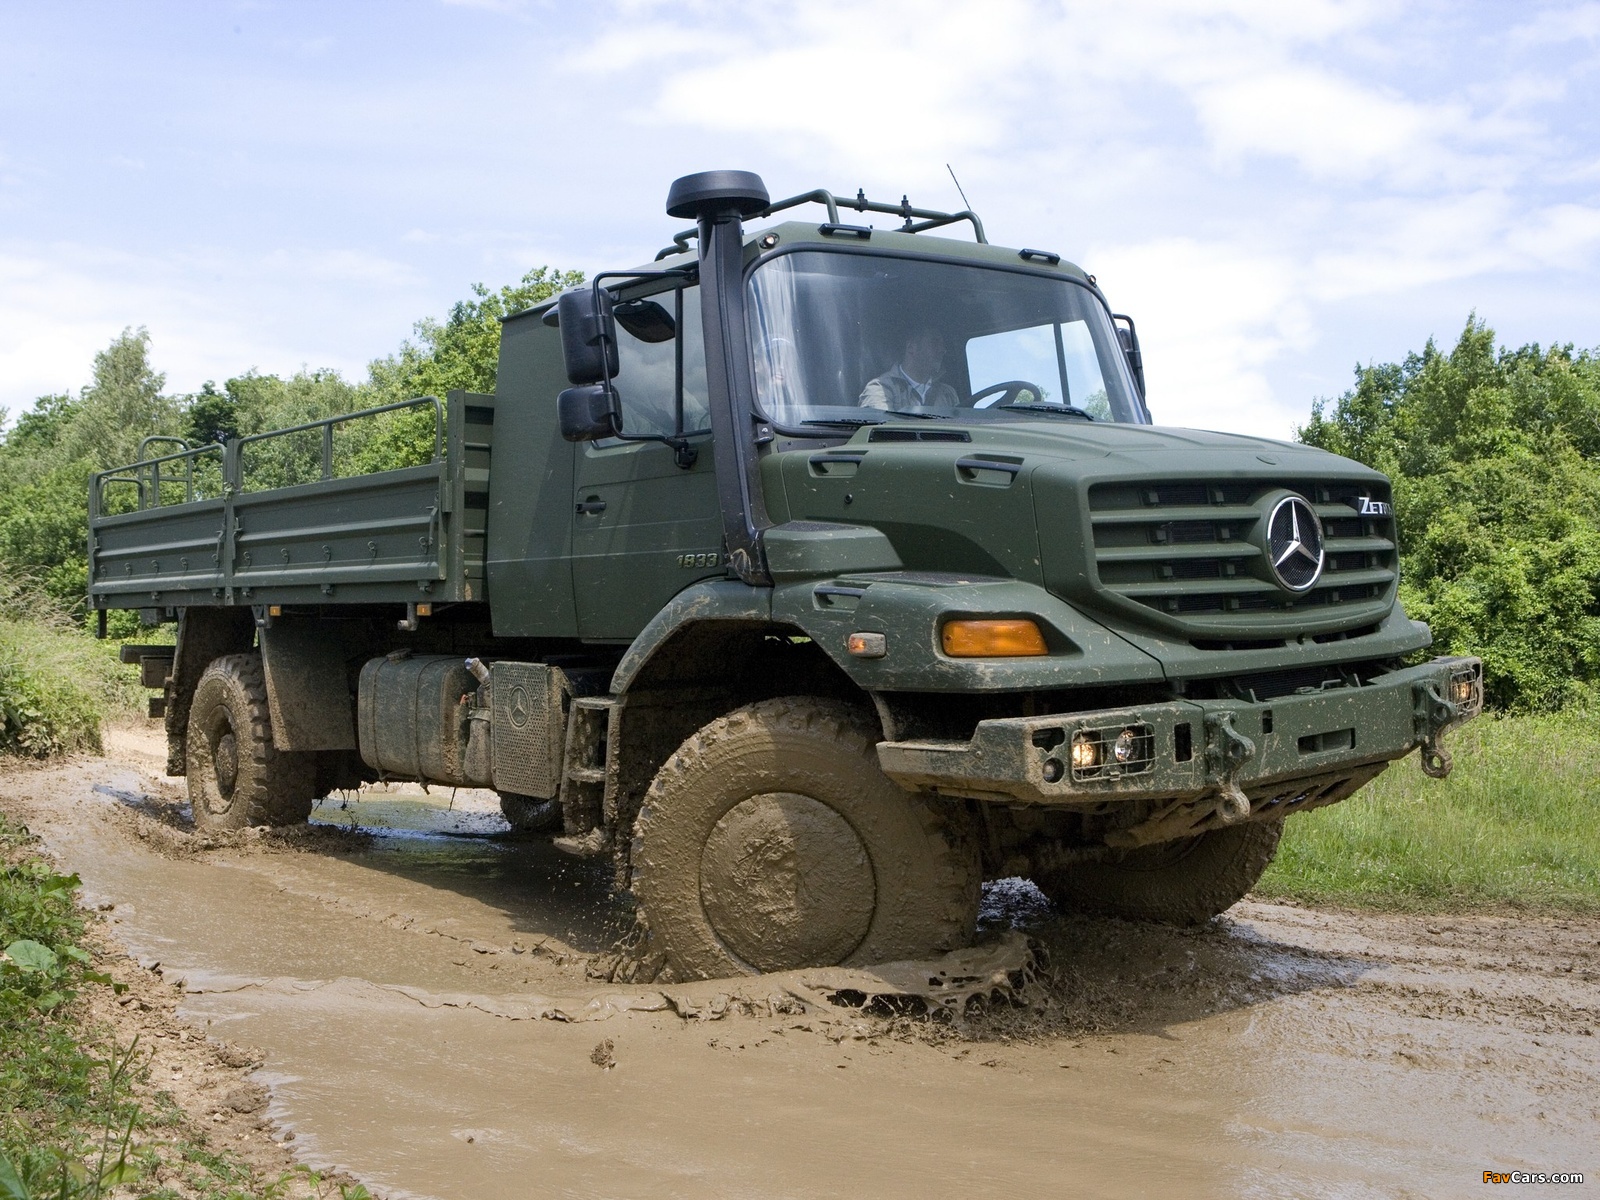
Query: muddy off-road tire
236	776
529	814
1185	882
771	840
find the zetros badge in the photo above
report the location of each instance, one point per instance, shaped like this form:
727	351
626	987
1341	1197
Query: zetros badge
1294	544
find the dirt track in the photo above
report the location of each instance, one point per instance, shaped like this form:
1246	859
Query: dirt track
425	1015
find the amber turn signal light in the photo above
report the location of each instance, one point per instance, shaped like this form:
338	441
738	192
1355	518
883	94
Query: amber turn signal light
867	645
1010	638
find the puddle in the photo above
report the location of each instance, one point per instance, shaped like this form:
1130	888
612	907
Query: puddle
421	998
407	811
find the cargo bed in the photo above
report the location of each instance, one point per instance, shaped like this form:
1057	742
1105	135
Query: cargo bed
196	536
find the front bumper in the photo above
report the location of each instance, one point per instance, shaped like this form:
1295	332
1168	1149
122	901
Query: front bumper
1203	760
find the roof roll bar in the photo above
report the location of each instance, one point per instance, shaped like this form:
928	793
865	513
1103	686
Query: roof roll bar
915	220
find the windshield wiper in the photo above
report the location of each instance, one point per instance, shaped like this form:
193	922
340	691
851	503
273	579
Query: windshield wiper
1066	410
921	414
844	422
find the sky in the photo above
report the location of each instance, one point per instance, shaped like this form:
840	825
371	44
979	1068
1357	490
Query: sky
1277	192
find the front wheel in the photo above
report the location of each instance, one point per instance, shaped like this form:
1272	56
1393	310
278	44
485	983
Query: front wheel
1184	882
772	840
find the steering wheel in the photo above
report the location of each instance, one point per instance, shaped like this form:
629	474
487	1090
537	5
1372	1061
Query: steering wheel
1005	393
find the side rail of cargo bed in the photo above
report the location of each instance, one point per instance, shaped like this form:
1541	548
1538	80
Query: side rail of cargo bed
184	528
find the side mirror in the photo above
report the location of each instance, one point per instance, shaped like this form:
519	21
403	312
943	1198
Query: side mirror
588	335
590	412
1128	338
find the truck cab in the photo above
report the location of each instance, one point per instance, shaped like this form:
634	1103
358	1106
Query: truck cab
815	572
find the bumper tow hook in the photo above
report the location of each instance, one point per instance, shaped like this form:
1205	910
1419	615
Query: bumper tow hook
1233	805
1436	760
1436	715
1227	751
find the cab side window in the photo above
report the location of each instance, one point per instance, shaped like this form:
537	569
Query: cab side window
647	369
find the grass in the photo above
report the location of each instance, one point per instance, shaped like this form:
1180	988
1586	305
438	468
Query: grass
55	1085
1515	827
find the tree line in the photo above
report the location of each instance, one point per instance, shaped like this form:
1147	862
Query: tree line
48	455
1494	454
1495	458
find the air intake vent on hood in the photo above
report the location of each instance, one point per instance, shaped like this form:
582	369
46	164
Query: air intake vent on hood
919	435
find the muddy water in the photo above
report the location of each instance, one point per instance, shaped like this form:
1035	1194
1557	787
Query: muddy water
394	977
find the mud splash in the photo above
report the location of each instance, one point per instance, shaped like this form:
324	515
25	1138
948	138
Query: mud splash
426	1020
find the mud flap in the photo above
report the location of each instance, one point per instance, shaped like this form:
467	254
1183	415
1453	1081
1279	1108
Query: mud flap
308	688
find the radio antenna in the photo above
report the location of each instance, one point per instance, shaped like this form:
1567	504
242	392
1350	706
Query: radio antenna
957	182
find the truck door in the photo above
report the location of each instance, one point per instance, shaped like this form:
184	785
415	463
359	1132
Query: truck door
644	527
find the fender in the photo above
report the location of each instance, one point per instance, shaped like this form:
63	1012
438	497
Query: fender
908	608
711	600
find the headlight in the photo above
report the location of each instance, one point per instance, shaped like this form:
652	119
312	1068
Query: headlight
1085	752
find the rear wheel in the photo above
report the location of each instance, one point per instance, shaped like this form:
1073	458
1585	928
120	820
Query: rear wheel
771	840
236	776
1185	882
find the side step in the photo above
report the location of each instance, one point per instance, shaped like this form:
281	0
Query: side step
586	780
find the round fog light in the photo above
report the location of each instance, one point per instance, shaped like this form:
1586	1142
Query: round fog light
1461	690
1085	752
1125	747
1053	771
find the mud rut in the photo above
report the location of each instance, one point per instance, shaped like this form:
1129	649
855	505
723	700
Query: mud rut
416	991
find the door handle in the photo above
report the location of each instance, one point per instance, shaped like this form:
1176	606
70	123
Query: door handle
592	505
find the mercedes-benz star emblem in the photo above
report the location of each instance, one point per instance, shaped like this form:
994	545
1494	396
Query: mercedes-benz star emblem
519	707
1294	544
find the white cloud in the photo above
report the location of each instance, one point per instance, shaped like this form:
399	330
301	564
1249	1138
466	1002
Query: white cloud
1246	174
868	87
1161	113
1332	127
1211	318
61	303
1398	243
1580	22
1564	237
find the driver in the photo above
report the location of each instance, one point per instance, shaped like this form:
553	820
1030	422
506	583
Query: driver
912	382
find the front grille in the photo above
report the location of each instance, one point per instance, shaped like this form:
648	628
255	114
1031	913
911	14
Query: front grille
1192	552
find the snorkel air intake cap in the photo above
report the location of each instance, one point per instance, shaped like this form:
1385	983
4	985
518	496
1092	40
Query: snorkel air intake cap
717	191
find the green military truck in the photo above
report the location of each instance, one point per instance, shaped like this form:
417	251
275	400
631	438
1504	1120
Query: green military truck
815	573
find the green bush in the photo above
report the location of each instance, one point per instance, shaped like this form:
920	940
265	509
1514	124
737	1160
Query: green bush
57	684
1495	457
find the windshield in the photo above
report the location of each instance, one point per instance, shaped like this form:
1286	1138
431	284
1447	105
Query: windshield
850	338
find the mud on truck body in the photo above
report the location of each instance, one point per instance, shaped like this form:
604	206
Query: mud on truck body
809	661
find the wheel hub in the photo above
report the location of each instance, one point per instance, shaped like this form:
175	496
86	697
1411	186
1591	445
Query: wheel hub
786	882
225	757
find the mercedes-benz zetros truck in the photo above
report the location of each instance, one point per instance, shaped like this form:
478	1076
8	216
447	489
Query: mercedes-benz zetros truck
814	572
